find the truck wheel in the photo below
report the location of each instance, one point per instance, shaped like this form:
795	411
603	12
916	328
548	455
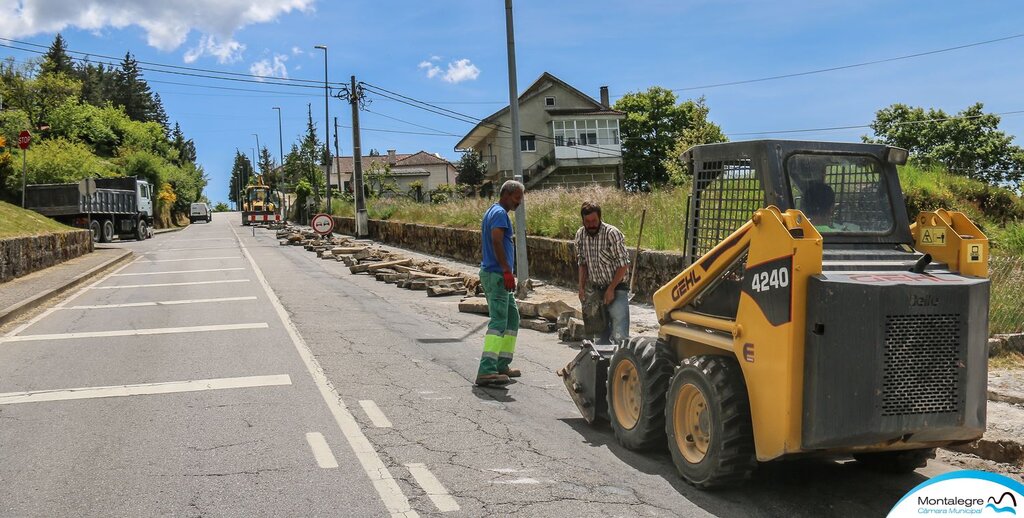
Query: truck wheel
94	226
708	423
903	461
141	231
638	378
108	231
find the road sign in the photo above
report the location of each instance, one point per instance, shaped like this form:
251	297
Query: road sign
322	224
24	138
87	187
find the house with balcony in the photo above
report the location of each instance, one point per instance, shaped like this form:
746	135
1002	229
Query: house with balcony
568	138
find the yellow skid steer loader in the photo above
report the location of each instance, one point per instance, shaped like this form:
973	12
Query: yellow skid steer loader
813	317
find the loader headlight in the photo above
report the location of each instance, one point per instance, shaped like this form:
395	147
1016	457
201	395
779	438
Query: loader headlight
897	156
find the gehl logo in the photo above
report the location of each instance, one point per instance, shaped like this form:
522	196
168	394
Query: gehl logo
924	301
684	285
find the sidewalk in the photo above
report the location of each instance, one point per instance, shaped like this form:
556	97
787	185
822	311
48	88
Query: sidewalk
26	293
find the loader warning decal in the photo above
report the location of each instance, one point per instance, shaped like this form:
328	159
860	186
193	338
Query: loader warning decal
933	236
974	253
770	285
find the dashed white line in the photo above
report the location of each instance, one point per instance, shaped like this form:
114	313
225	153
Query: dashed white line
159	303
321	451
134	332
518	481
193	259
432	486
177	271
167	284
383	481
39	396
162	250
373	412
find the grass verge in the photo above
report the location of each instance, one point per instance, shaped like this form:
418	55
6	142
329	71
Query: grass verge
18	222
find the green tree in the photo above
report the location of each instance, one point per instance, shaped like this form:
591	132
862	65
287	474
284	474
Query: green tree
131	92
653	123
221	207
56	59
967	144
241	174
36	95
698	130
379	178
265	162
97	83
471	169
186	147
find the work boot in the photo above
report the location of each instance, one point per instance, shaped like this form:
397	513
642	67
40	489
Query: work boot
491	379
511	372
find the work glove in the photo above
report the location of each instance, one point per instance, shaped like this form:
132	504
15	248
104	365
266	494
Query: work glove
510	281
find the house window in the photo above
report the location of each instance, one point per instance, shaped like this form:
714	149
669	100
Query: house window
549	101
588	138
528	143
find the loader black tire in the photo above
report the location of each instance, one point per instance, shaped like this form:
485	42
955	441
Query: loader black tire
638	419
708	392
895	462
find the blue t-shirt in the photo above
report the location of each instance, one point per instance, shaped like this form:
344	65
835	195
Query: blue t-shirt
496	217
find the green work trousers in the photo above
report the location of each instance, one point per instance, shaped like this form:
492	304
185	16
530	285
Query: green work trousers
500	340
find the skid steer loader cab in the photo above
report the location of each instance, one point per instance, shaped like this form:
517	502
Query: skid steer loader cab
813	317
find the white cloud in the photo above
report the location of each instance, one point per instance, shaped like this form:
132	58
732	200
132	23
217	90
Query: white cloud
270	68
228	51
432	69
167	24
461	70
296	51
458	71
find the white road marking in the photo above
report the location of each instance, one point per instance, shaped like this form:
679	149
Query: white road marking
134	332
508	470
436	398
62	303
162	250
159	303
517	481
193	259
211	239
39	396
432	486
167	284
178	271
387	488
321	451
373	412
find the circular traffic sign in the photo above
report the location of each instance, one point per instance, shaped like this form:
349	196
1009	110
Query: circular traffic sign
322	224
24	138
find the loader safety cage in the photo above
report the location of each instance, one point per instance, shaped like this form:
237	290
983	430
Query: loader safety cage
732	180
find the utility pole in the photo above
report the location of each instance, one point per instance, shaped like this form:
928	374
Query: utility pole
327	128
362	222
280	151
522	262
337	151
258	150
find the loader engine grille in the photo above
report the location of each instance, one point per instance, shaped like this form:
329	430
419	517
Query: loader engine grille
922	364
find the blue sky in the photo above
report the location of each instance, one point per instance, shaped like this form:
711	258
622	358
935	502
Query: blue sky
628	46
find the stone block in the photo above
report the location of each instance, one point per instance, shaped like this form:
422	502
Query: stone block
473	305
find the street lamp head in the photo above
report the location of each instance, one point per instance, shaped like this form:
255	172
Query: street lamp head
322	47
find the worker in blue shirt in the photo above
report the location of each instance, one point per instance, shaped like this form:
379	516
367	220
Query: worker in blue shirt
497	277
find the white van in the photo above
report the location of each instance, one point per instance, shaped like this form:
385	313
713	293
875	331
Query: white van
200	212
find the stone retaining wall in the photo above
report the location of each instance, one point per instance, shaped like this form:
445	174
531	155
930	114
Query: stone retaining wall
552	260
23	255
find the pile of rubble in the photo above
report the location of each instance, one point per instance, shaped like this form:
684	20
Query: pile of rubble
542	312
363	256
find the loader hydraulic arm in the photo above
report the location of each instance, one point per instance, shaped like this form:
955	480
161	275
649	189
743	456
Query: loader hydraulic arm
681	290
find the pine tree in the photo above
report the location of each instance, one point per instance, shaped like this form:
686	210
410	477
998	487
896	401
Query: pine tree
97	83
266	165
158	114
132	92
241	173
56	59
186	147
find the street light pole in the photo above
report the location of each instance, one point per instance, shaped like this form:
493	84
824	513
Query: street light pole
522	262
258	150
280	151
327	128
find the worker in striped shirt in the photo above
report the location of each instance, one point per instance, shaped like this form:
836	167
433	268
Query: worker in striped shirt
603	263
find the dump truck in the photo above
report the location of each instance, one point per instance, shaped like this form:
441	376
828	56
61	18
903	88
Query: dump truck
813	317
119	207
260	203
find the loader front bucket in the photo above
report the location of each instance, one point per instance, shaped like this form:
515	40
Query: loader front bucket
586	378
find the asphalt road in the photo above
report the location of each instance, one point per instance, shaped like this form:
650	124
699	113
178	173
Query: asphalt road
278	384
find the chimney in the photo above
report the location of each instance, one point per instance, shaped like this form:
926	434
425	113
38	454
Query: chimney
391	157
604	97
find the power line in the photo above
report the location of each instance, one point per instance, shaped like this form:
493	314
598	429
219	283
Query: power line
410	123
861	126
844	67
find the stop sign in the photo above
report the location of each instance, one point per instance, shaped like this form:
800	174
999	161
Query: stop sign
24	138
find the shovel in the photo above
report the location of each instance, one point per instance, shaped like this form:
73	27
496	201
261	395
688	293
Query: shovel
636	255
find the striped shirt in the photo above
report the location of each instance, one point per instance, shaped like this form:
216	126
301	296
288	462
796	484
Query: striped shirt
602	254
